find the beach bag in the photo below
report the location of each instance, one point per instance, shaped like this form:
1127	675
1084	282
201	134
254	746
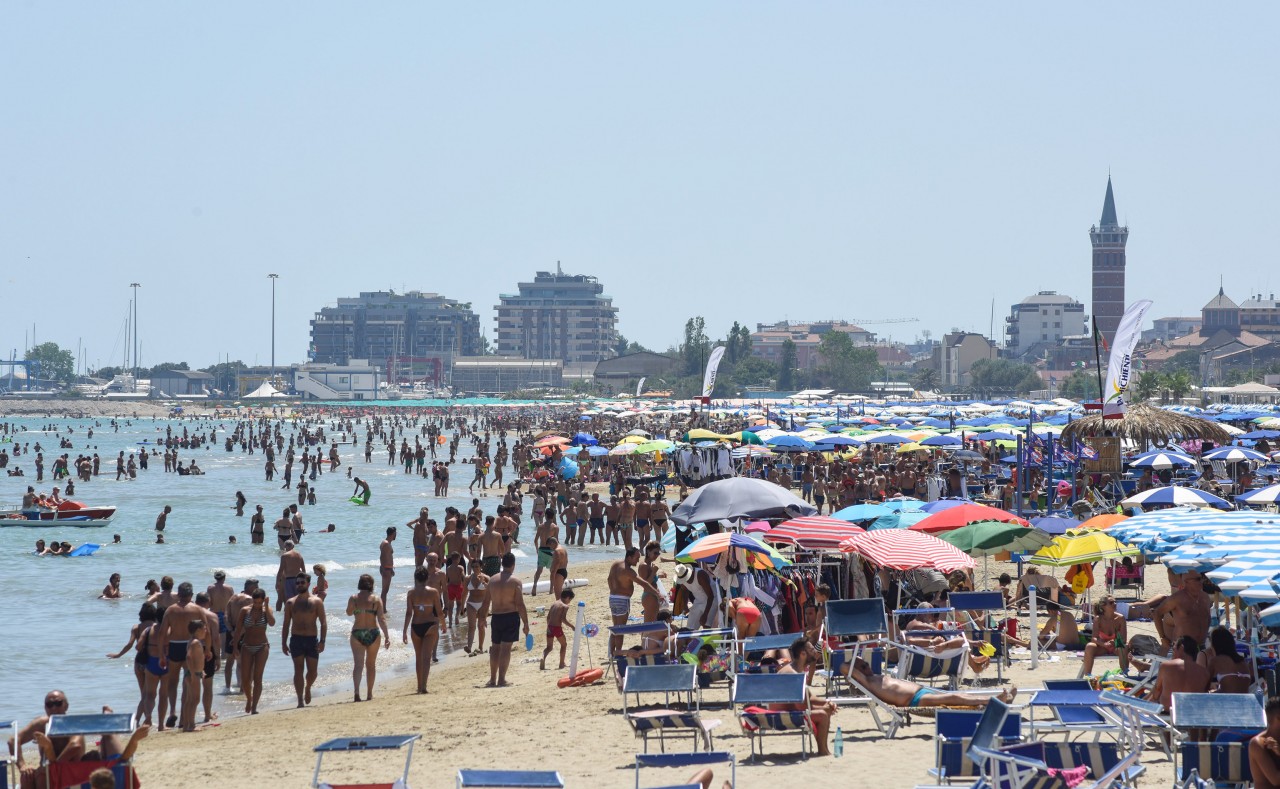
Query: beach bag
1144	645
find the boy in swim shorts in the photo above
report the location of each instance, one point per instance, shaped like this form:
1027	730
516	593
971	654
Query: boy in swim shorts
556	618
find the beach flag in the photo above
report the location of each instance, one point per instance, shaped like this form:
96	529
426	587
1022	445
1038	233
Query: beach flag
709	378
640	386
1119	364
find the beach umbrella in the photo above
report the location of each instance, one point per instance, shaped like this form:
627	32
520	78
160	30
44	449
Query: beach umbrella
942	441
551	441
661	445
903	503
1235	455
738	453
903	549
1055	524
740	497
762	556
638	432
862	512
584	440
623	449
996	435
986	538
1104	521
813	532
837	440
942	504
634	440
955	517
1175	494
1162	459
1268	495
897	520
1258	434
888	438
789	443
1084	548
702	434
967	456
597	451
746	437
757	527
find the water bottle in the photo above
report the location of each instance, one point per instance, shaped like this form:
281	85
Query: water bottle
838	748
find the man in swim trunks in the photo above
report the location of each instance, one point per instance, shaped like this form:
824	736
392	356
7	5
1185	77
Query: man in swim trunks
559	566
362	490
595	517
174	636
212	648
66	749
804	658
547	530
626	518
622	580
421	539
904	693
303	635
492	548
291	563
556	618
387	563
507	613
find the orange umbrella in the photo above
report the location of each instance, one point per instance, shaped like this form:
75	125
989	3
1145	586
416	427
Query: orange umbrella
551	441
1103	521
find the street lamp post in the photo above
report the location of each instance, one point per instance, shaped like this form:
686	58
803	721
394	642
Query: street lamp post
135	286
273	278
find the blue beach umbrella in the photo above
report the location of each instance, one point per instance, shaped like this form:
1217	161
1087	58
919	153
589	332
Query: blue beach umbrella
584	440
1162	459
861	512
1235	455
1054	524
941	441
1176	494
888	438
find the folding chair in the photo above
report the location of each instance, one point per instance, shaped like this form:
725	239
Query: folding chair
621	664
65	774
687	760
725	640
509	779
1217	761
392	742
677	678
757	645
641	628
926	668
763	689
1084	717
847	621
671	722
984	603
954	730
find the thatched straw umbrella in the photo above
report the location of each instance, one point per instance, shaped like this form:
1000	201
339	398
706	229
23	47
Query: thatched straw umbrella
1145	425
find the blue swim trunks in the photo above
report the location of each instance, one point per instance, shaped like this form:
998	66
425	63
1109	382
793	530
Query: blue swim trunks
920	694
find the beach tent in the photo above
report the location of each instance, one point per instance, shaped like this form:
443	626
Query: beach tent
265	392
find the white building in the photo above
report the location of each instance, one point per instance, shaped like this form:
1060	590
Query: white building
1043	319
355	381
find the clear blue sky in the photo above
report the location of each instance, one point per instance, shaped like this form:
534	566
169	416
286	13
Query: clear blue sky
743	161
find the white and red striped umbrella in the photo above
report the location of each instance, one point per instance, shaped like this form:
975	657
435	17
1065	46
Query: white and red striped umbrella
813	532
903	549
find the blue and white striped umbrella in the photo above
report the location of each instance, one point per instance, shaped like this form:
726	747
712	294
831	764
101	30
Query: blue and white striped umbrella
1183	523
1268	495
1162	459
1176	494
1235	455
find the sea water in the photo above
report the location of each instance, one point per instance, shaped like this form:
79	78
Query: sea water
56	633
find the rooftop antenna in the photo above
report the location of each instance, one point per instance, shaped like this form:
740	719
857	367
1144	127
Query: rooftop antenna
559	271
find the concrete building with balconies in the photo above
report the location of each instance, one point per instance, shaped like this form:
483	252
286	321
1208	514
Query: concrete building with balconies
557	316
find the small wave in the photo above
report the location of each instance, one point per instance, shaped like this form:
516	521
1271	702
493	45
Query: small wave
253	571
405	561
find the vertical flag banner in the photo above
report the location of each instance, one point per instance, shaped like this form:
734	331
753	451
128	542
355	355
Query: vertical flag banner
709	379
640	386
1120	364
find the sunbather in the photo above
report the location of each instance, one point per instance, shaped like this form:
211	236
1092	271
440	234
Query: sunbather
904	693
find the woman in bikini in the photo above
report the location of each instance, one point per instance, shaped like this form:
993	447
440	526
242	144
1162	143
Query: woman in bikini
194	674
1232	672
370	617
477	598
140	634
1110	634
648	570
423	614
251	635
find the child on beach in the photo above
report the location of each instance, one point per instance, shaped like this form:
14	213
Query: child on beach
322	582
556	618
194	675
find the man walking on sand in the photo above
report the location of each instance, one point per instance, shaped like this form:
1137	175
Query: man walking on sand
303	635
506	606
387	563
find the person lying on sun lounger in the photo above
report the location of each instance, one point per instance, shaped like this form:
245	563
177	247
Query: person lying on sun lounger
903	693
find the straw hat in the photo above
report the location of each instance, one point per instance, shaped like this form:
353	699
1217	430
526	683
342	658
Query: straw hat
684	572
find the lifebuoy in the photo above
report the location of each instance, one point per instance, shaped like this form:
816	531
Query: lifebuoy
581	678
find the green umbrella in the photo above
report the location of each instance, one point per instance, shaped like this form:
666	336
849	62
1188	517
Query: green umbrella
746	437
985	538
654	446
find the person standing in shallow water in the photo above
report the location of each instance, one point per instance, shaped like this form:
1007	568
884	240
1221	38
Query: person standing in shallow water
370	617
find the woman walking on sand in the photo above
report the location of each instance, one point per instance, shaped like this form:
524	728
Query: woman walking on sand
370	617
251	635
423	614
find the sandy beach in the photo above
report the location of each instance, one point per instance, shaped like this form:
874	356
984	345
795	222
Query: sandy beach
534	724
84	408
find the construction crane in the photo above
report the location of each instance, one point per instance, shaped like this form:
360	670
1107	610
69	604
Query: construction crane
872	321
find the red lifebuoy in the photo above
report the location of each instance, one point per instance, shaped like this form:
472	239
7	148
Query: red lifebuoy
581	678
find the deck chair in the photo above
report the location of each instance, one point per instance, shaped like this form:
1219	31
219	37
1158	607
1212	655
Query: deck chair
763	689
1218	763
1099	756
752	648
687	760
393	742
984	603
954	730
666	723
724	639
509	779
927	668
621	663
61	775
667	679
638	629
846	622
1084	717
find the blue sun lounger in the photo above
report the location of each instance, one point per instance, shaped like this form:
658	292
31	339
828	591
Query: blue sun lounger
98	725
763	689
846	622
391	742
509	779
687	760
674	678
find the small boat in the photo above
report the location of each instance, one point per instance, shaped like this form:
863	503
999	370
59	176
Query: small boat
67	511
80	522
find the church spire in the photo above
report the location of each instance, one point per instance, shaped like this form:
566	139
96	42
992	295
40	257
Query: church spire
1109	207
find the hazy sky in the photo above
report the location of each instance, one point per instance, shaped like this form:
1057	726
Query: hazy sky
743	161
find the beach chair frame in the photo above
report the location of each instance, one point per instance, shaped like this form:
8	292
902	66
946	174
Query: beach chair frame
380	743
764	689
509	779
664	678
984	603
89	725
844	623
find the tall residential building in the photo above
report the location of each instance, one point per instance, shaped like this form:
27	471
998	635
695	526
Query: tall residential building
1109	240
557	316
1043	319
415	335
768	338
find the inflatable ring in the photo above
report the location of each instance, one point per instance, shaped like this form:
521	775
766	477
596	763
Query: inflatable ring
590	630
581	678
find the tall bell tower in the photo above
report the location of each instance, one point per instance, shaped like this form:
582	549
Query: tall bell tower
1109	240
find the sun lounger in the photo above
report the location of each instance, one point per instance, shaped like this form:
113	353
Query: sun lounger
622	663
509	779
671	722
674	678
1216	761
60	775
392	742
846	622
760	690
984	603
685	761
926	668
954	730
